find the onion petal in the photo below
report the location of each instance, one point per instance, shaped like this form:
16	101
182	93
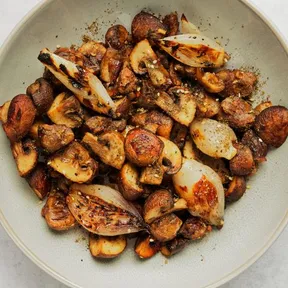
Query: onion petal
188	27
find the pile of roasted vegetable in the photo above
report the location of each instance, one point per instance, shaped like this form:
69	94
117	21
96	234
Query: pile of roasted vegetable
141	135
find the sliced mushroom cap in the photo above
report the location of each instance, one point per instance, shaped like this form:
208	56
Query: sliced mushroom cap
74	163
103	210
155	122
4	111
236	189
33	133
25	155
127	82
109	146
41	92
213	138
54	137
66	110
129	184
166	227
93	49
147	26
160	203
178	134
152	174
194	229
116	36
99	124
202	188
272	125
172	23
21	115
56	212
142	147
146	247
262	106
122	108
174	246
106	247
39	181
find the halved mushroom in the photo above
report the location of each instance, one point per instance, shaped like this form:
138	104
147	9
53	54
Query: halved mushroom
122	108
262	106
179	104
202	188
4	111
175	77
213	138
143	54
63	184
146	247
127	82
106	247
41	92
93	49
142	147
178	134
66	110
166	228
152	174
109	146
236	189
237	113
103	210
237	82
147	26
128	182
54	137
155	122
194	50
207	106
85	85
257	146
25	155
174	246
210	81
172	23
116	36
33	133
194	228
74	163
39	181
146	97
99	124
56	212
21	115
272	125
111	65
160	203
242	164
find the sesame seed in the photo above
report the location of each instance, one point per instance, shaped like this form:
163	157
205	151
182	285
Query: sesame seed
151	240
248	187
79	193
138	88
260	140
87	197
154	61
58	46
217	99
158	94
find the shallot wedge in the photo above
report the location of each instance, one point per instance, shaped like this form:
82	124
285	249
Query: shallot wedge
103	210
86	86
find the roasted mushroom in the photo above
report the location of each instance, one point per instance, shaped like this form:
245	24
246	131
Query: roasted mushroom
54	137
147	93
74	163
39	181
122	108
178	134
210	81
179	104
166	228
258	148
172	24
194	228
147	26
109	146
174	246
41	92
236	189
143	54
21	115
142	147
93	49
106	247
56	212
242	164
237	113
262	106
128	182
99	124
66	110
272	125
116	36
127	82
160	203
103	210
4	111
33	133
153	174
25	155
155	122
146	247
237	82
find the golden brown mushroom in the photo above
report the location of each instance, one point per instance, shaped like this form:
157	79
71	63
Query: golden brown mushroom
33	133
172	23
210	81
127	82
262	106
146	247
116	36
236	189
178	134
174	246
194	228
4	111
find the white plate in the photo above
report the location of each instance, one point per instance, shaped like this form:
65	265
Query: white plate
252	224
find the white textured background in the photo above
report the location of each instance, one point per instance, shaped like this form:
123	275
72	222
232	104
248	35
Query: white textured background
16	270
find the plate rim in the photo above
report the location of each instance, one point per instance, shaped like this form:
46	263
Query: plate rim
34	258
